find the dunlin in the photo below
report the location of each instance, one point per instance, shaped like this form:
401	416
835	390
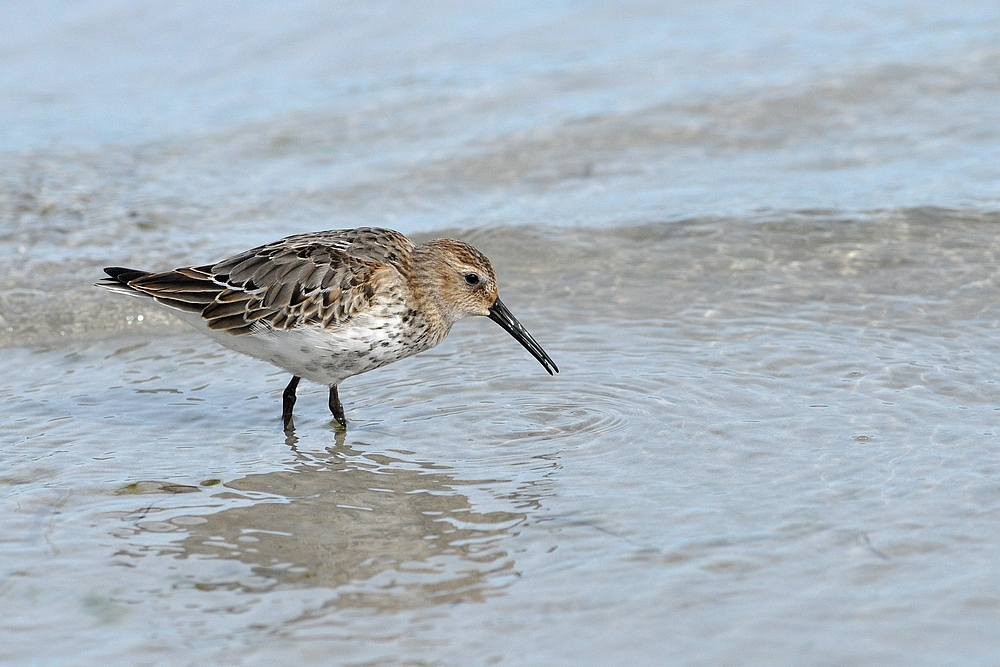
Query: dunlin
329	305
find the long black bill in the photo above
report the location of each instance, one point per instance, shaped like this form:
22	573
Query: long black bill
503	317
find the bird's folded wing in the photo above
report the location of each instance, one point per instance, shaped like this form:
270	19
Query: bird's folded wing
284	285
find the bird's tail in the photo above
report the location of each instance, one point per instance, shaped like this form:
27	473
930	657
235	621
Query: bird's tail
119	278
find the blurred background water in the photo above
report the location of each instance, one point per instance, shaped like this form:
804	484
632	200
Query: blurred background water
760	240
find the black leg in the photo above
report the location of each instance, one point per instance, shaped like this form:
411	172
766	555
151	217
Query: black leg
336	407
288	401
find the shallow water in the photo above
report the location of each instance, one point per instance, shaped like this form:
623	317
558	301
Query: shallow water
762	249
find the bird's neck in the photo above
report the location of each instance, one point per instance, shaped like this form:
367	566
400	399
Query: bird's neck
427	285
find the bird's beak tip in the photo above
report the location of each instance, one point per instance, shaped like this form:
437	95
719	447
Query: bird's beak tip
507	321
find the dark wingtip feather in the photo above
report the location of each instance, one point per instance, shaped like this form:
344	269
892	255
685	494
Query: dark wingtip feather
123	275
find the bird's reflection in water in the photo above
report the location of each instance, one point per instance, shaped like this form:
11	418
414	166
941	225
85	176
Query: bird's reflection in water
384	531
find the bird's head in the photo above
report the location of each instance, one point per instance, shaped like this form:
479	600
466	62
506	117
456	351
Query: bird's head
460	281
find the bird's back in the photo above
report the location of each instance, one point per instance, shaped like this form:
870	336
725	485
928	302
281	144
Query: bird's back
321	279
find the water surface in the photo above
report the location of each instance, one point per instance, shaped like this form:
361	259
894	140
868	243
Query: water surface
761	246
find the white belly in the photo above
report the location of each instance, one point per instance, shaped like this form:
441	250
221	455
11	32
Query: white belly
328	356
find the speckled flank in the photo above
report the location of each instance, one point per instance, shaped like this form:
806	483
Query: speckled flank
329	305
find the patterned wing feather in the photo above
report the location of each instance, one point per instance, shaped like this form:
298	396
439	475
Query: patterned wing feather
322	278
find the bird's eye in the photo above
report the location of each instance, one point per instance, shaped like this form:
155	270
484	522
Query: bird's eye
472	278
